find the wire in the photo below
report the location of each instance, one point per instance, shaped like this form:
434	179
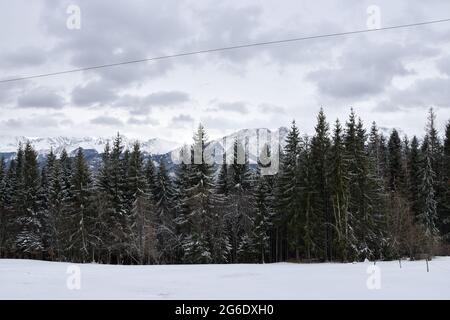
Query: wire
183	54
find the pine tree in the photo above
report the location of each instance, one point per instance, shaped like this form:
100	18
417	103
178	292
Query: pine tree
29	239
241	216
181	187
289	200
339	194
264	205
395	163
414	164
164	194
196	245
364	190
445	213
48	228
80	214
118	223
320	160
3	212
141	221
428	213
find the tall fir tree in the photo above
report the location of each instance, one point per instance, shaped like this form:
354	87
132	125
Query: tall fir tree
80	215
164	194
428	214
29	239
196	244
320	159
339	194
289	199
414	167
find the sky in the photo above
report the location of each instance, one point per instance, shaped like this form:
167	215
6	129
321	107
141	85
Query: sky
391	77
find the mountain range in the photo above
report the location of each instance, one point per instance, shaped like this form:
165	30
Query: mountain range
94	146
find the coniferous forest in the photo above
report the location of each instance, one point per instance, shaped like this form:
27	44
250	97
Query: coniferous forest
346	193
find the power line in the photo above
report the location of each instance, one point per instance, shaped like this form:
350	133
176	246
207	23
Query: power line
190	53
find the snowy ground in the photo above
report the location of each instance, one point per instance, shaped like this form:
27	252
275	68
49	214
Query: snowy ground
25	279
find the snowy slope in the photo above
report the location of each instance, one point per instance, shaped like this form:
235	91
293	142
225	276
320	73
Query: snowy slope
43	145
253	137
25	279
156	146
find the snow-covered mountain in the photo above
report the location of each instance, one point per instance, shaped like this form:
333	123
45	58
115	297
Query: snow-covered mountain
254	138
160	148
43	145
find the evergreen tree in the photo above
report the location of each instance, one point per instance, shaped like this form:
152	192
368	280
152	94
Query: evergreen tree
428	214
164	201
181	187
445	213
414	164
395	163
3	212
320	160
264	200
196	245
29	238
339	195
142	229
289	200
80	215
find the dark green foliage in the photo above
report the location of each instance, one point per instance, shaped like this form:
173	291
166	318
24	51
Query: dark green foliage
340	195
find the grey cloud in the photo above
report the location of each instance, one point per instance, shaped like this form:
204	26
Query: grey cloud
182	120
141	105
96	92
366	69
237	106
117	32
41	97
107	121
165	98
444	65
142	122
422	93
12	123
23	57
44	121
270	108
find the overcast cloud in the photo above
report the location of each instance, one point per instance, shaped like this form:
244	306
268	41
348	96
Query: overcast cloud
383	75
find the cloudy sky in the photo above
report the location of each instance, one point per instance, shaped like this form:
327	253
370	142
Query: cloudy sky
391	77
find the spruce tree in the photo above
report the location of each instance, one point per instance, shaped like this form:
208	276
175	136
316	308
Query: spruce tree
197	245
428	214
3	213
141	221
395	164
320	159
264	205
445	213
414	165
29	239
339	194
289	199
164	203
81	216
181	187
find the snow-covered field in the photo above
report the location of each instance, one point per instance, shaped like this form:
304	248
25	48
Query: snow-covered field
25	279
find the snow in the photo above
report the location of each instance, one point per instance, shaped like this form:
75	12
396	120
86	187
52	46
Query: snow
28	279
43	145
255	137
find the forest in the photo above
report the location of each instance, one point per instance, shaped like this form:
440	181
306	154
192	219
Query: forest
345	193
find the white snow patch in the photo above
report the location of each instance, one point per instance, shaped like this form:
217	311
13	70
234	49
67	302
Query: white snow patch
27	279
